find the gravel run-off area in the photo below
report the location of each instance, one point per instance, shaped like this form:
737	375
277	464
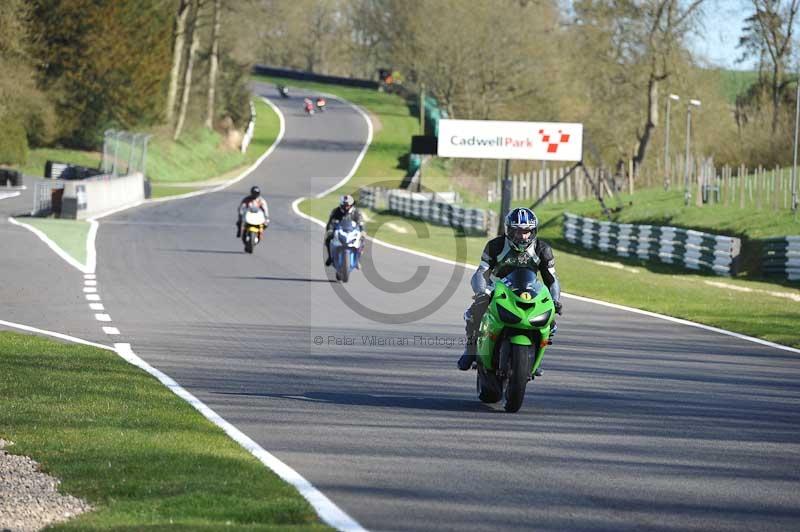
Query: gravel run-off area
29	499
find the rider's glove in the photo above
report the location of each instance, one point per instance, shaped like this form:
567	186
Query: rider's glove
558	307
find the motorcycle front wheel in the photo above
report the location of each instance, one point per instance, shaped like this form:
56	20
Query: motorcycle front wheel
519	371
345	273
248	242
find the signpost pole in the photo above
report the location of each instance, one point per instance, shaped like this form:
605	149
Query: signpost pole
505	202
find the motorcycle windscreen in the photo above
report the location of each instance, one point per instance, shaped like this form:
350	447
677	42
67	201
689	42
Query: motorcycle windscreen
523	280
254	217
347	225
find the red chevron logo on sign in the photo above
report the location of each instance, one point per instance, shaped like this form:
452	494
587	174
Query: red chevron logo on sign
552	145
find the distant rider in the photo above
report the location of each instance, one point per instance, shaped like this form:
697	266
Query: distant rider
253	200
346	208
518	248
320	103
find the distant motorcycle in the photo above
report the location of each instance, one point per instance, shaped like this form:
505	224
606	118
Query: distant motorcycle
254	225
346	246
308	105
284	91
321	104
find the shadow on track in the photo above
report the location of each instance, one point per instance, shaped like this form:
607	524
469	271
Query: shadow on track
269	278
413	402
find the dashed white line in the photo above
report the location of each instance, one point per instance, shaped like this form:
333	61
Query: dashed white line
92	297
111	330
89	289
102	317
96	306
89	276
90	282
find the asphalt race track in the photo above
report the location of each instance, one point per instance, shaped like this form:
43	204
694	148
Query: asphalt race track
637	424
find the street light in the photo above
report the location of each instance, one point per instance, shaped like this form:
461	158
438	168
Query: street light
687	194
666	143
794	158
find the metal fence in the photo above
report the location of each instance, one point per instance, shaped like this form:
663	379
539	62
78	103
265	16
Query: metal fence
692	249
781	256
532	185
124	153
430	207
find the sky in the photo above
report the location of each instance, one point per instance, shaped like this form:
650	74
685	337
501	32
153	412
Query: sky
716	41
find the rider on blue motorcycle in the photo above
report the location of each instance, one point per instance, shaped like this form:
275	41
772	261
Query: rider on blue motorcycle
519	247
347	207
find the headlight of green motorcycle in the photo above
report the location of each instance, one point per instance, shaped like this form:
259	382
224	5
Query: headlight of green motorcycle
506	316
541	319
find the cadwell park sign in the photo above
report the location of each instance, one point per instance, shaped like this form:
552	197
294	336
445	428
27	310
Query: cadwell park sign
494	139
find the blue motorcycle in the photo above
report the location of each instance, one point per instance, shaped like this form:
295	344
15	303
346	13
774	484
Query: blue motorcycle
346	246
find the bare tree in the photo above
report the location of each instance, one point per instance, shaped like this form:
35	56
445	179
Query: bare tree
666	24
768	34
177	56
187	78
214	62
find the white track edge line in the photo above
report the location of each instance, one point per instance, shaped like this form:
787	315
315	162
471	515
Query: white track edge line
55	247
9	195
681	321
325	508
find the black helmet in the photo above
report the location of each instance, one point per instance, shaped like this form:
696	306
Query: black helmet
255	191
346	202
521	226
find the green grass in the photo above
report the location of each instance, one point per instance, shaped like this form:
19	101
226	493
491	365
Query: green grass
658	207
162	191
656	287
141	456
198	155
70	235
736	82
37	158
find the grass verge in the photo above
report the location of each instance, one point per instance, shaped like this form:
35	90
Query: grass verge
748	307
70	235
163	191
197	155
141	456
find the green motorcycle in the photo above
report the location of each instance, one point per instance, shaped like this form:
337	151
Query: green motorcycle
513	335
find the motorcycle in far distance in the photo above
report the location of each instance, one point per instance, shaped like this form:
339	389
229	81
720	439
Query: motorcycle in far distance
254	225
513	335
284	91
346	247
321	104
308	105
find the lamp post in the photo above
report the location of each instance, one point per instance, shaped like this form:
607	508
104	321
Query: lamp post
794	158
687	194
666	142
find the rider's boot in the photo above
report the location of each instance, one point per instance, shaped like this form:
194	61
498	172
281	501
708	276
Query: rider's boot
469	357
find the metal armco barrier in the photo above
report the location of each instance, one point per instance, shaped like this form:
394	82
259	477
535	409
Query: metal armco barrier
781	256
692	249
428	209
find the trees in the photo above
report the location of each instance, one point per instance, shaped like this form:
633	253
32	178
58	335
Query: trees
767	35
97	81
